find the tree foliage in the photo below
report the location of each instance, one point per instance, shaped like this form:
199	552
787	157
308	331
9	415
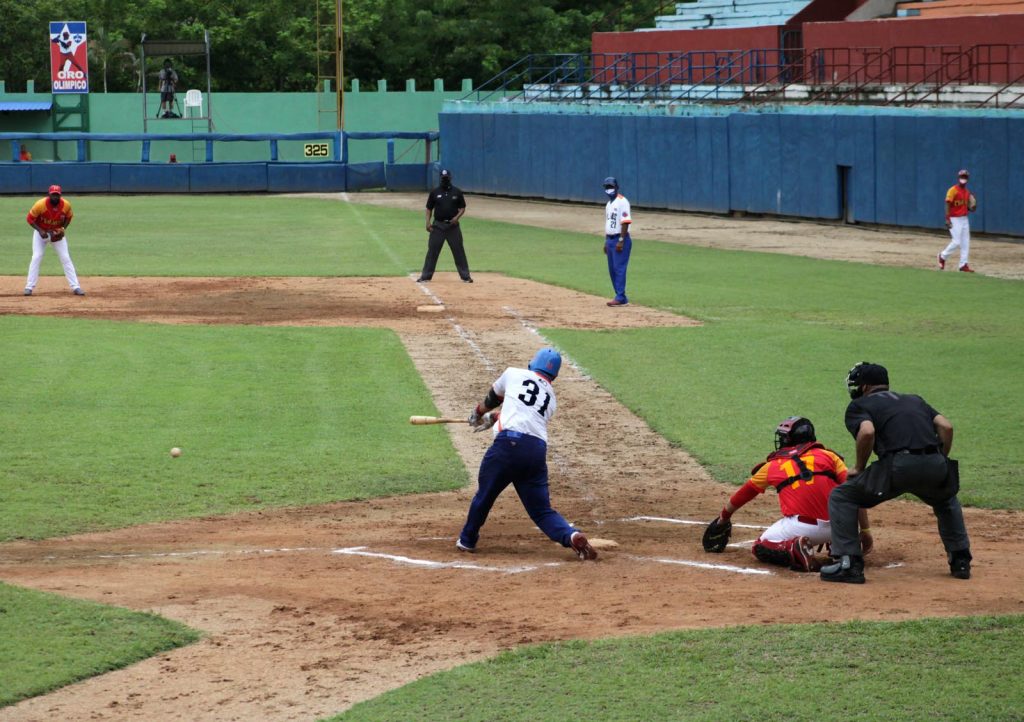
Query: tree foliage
271	45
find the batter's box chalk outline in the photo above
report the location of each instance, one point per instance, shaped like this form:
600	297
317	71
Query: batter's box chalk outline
689	522
706	565
893	565
431	564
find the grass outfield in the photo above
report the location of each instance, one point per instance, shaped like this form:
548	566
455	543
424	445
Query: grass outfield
265	417
780	331
945	669
47	641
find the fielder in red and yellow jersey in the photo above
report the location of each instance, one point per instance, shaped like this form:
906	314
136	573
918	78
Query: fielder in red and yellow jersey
803	473
49	218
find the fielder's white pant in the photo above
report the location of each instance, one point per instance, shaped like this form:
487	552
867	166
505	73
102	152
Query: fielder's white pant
961	233
789	527
38	248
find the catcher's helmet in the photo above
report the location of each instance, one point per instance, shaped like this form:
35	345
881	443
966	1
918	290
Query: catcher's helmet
794	430
610	182
546	361
865	373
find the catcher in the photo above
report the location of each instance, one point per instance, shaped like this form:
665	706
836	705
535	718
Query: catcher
803	473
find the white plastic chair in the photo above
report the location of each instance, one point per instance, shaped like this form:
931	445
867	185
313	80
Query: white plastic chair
194	99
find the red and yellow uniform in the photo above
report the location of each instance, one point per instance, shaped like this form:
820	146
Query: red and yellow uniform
798	495
957	197
48	216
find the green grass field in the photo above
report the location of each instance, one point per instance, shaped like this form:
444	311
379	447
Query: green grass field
948	669
47	642
93	407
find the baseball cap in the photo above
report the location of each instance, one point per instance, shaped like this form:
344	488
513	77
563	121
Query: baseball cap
54	189
964	172
445	173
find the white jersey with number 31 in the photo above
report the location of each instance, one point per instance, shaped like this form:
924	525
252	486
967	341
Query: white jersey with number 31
529	402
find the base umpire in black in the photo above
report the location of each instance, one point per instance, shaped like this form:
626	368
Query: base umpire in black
447	204
912	441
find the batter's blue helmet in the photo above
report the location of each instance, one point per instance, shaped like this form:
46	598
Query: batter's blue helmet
546	361
610	182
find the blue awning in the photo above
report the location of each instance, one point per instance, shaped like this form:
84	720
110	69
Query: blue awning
26	105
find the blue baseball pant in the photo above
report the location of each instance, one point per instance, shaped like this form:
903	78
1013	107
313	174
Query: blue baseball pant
617	262
520	460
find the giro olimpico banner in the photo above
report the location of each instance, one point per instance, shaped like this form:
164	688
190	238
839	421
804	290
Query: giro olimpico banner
69	64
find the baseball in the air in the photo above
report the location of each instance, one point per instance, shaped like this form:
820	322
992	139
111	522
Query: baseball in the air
175	452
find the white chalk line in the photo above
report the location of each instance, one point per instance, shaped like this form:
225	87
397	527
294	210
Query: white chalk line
473	345
689	522
566	358
705	565
376	237
194	553
430	564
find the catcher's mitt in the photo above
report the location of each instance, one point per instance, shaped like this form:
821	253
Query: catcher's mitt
716	536
56	234
972	202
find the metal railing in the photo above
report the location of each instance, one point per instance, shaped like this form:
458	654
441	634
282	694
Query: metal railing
823	75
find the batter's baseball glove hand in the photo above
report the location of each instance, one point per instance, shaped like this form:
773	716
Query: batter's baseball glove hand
474	418
56	234
716	536
486	421
972	203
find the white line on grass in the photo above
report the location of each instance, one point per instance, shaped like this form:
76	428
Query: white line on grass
376	237
690	522
430	564
706	565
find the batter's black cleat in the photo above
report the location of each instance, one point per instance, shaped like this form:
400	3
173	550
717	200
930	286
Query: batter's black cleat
960	564
580	545
464	547
848	569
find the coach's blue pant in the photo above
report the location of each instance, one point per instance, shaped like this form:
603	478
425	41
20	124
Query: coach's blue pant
520	460
617	262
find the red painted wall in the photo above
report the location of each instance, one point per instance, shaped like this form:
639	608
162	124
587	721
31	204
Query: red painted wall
964	31
684	40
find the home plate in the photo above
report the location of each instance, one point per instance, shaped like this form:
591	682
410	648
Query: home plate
432	308
603	543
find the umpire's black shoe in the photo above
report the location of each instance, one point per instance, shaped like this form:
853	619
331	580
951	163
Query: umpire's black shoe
960	564
467	279
848	569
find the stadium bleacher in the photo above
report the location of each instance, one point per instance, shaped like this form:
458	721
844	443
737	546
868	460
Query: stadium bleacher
729	14
957	8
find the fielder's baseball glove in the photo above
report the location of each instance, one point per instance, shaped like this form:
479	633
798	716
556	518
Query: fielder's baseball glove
716	536
56	234
972	202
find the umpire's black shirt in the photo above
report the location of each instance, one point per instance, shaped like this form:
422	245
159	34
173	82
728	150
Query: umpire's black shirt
445	203
902	421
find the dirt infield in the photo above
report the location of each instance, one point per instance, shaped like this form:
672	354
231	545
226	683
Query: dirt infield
308	611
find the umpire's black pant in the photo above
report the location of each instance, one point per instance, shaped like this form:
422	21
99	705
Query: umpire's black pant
438	235
924	476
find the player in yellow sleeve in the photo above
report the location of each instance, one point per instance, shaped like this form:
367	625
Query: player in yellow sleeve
49	218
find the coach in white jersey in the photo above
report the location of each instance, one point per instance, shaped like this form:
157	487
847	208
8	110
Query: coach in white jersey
518	455
617	243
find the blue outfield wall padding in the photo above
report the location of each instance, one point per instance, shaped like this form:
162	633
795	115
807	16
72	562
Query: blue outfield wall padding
15	178
900	164
406	177
148	178
72	177
227	177
306	177
363	176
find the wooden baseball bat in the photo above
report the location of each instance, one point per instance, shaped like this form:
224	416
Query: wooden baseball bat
420	420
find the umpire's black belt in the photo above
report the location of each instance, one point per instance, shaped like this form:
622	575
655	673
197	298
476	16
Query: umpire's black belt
924	451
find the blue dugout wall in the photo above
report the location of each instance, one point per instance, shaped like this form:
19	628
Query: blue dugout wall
897	168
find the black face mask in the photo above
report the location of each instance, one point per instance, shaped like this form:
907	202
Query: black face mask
446	182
